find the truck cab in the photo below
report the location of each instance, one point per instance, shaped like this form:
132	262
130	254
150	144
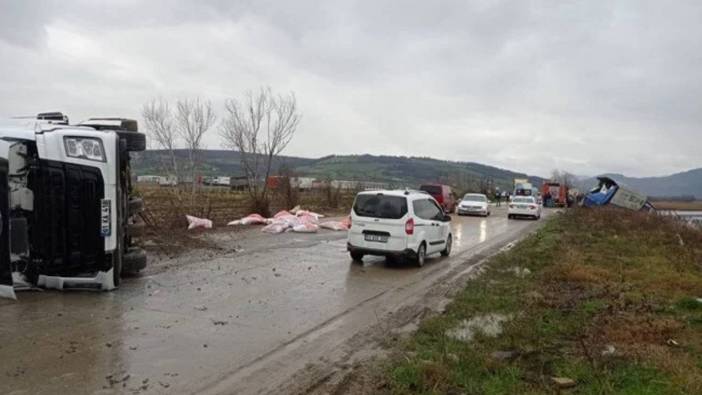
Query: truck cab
66	205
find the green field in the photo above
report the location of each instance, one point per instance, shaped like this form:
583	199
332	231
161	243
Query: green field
608	300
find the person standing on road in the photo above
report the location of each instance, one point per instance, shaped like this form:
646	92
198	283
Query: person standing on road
498	197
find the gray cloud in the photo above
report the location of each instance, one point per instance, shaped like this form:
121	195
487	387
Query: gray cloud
587	86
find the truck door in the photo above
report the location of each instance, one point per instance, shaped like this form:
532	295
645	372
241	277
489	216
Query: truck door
6	286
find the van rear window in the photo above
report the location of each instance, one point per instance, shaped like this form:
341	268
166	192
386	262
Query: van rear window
380	206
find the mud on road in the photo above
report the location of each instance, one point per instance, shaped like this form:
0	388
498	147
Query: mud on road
257	314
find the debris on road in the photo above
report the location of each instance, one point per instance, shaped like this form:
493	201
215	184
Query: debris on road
306	228
609	350
295	220
195	222
563	382
337	225
488	324
252	219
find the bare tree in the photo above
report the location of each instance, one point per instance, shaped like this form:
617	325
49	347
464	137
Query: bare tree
563	177
193	118
260	127
158	120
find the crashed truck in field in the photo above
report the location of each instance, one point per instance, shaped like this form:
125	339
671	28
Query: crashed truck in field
609	192
66	204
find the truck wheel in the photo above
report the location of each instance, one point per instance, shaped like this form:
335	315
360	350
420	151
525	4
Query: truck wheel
136	142
136	230
357	257
421	255
134	260
136	205
117	269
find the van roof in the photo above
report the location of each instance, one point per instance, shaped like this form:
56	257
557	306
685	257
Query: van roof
395	192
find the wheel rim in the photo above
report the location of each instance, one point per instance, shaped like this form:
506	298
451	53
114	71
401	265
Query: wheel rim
421	254
449	245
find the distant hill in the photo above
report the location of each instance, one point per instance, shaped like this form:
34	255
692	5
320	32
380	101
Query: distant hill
688	183
399	171
214	162
409	171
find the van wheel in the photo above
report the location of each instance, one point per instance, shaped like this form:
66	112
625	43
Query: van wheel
421	255
357	257
449	244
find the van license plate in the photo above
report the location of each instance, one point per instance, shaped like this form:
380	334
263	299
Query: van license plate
105	217
377	238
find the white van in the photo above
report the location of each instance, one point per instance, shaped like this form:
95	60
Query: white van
408	224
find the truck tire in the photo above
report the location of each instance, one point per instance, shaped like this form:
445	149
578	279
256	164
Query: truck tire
136	230
134	260
357	257
136	205
136	142
117	268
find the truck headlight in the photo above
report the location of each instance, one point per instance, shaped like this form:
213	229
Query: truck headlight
85	148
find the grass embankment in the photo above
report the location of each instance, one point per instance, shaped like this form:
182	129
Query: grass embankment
608	300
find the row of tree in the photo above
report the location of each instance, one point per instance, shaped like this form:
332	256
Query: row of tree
259	125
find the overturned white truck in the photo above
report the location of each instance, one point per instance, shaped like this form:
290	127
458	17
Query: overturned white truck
66	203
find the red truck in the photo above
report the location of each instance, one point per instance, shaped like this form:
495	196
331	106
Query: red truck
442	194
554	194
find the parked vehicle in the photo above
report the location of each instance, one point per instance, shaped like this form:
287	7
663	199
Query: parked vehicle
168	181
524	206
66	203
554	194
522	187
220	181
442	194
473	204
408	224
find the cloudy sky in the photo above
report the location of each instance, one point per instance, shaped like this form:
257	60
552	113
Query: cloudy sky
590	86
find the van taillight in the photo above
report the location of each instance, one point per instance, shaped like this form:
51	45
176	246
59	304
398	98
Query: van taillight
409	226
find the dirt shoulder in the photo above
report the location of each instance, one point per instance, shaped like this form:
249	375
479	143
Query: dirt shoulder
600	301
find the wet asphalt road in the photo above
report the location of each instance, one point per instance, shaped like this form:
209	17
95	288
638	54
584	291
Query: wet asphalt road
213	324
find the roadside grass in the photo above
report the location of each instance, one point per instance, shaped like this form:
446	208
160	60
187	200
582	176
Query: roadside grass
609	300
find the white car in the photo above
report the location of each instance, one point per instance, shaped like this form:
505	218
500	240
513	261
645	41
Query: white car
408	224
473	203
524	206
